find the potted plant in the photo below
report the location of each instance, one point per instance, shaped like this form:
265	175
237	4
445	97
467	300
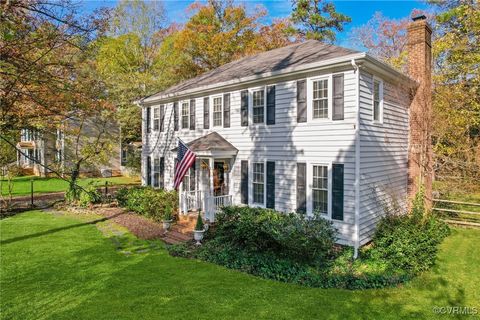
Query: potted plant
167	217
199	229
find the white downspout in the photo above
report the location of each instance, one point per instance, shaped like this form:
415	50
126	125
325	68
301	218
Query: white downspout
357	164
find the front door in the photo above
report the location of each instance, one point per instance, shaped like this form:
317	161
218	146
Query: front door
219	178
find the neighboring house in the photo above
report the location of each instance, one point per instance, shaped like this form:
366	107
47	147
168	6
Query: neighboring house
47	151
309	128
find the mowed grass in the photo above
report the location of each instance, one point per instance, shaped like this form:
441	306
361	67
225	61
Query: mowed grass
58	267
21	185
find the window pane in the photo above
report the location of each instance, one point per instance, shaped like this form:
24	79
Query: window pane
320	99
376	100
185	111
258	183
217	111
258	106
320	189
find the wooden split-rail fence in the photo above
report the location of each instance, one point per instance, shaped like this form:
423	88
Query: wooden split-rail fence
455	216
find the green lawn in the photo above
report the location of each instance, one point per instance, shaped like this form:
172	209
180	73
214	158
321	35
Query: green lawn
21	185
58	267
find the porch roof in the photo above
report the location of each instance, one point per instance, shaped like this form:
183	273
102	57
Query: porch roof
212	144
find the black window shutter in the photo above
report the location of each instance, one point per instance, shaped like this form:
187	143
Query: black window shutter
192	114
226	110
192	177
244	181
271	184
301	187
148	120
338	100
271	105
162	117
162	172
206	113
244	108
301	101
175	116
337	191
149	171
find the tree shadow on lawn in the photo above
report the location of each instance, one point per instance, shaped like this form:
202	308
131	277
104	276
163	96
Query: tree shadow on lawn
47	232
161	286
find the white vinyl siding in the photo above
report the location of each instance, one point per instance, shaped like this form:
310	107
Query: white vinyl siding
320	99
217	111
258	183
185	114
383	151
320	189
258	105
287	142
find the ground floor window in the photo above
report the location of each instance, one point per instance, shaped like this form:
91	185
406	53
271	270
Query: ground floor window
258	182
188	183
156	172
320	189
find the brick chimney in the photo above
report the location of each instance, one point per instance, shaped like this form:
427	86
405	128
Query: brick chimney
419	48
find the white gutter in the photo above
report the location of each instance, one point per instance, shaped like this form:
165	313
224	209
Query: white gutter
357	164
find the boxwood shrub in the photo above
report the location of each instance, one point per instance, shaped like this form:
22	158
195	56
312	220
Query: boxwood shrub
147	201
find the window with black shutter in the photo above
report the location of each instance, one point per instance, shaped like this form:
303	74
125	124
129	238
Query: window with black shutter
301	101
175	116
271	105
338	97
270	184
226	110
162	172
244	181
147	119
192	114
337	191
244	108
206	113
301	187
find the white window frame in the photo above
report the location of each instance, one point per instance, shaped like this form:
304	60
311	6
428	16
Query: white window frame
326	189
380	96
310	81
155	172
309	178
212	109
250	182
187	102
250	103
157	111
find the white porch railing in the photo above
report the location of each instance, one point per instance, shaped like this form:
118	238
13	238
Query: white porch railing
214	204
191	200
210	205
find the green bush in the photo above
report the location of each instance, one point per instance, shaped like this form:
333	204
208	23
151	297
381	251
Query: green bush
89	195
147	201
293	236
199	226
409	242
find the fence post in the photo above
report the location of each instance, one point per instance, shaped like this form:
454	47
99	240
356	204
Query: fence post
106	188
31	192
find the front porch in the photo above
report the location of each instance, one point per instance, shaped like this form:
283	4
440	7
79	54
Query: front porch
208	184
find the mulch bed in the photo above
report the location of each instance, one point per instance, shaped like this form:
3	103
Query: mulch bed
141	227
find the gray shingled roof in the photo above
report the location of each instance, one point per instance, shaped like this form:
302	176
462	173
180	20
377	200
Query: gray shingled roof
211	142
274	60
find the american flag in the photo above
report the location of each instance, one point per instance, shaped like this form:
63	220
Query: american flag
185	159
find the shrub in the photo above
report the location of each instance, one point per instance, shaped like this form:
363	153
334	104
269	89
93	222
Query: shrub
89	195
409	242
199	226
149	202
292	235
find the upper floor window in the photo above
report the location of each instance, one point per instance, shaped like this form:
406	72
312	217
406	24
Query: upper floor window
156	119
185	114
258	103
217	111
320	99
377	100
258	182
320	189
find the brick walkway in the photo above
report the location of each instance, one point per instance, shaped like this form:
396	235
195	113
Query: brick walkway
143	228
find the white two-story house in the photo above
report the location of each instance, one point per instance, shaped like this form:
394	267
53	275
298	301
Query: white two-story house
309	128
